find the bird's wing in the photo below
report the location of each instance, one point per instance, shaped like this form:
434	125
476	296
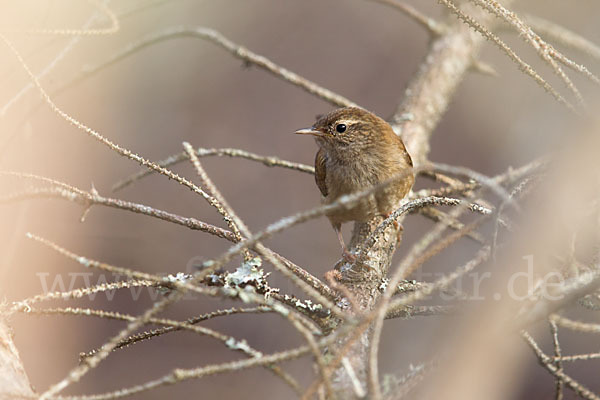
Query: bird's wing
320	172
404	152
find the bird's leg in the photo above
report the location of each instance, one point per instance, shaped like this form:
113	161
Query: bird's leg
345	252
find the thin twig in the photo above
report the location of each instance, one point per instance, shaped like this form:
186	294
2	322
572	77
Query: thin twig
180	375
306	276
50	66
356	332
442	283
316	350
234	49
557	359
544	49
575	325
287	222
479	178
577	357
169	326
415	258
434	27
24	305
75	374
269	161
439	216
113	28
172	326
523	66
562	35
88	199
94	134
420	311
547	363
409	207
216	199
90	263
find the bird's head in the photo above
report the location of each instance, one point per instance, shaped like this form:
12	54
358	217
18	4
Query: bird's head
349	126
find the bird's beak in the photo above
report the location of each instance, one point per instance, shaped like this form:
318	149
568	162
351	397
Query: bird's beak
309	131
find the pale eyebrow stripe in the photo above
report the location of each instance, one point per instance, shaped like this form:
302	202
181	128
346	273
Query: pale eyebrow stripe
349	121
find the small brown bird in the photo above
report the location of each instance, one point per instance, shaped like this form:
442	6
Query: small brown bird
358	150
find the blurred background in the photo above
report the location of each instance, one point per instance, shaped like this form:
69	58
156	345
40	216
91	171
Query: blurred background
186	89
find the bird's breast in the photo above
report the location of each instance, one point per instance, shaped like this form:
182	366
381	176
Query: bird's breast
346	175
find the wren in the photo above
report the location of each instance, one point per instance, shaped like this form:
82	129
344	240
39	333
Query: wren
358	150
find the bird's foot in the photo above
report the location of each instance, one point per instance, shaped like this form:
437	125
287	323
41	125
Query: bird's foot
399	229
349	257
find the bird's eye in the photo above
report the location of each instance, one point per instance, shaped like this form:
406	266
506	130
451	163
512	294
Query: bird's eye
341	128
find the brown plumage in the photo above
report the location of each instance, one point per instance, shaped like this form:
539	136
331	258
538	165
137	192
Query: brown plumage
358	150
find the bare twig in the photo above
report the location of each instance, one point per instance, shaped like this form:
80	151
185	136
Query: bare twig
88	199
216	199
523	66
79	371
575	325
98	4
439	216
24	305
269	161
434	27
548	363
412	206
94	134
420	311
557	359
577	357
169	326
562	35
416	257
180	375
55	61
90	263
442	283
234	49
172	326
545	50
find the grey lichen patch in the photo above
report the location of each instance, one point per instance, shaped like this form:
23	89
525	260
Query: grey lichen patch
179	277
169	280
343	303
84	261
384	284
245	282
242	345
306	305
248	278
370	263
248	273
22	306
